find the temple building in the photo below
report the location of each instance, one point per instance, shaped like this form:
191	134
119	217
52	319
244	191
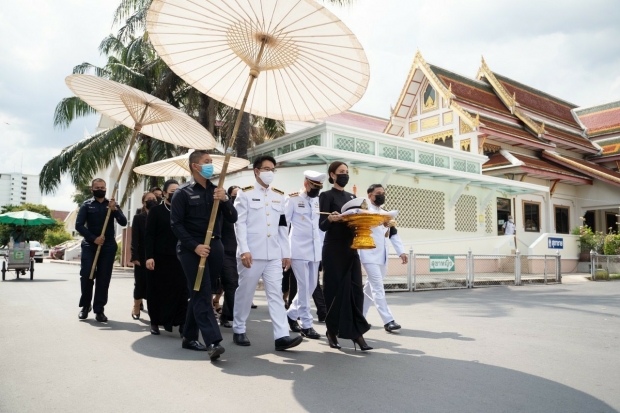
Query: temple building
460	154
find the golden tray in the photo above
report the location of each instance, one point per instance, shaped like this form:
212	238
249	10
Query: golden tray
363	224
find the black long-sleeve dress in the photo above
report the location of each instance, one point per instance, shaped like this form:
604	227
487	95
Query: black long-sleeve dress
138	230
342	271
167	286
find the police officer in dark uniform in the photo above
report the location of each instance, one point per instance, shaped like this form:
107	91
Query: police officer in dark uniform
189	219
89	223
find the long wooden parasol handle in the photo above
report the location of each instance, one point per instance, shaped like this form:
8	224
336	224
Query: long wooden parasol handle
136	130
216	202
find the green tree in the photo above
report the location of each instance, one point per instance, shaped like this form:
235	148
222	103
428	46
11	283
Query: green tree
81	194
53	238
35	233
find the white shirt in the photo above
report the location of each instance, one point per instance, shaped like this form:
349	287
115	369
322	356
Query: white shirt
379	255
302	214
261	227
509	228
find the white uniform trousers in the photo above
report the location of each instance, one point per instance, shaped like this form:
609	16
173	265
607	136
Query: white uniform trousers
374	291
306	273
271	271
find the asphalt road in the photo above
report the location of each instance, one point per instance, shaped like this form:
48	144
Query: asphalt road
499	349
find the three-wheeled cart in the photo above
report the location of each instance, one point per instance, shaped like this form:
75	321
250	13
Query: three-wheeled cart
20	259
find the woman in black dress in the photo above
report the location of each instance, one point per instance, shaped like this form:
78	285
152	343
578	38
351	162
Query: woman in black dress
167	286
138	230
342	271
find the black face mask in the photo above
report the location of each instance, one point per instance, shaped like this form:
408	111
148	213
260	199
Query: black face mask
314	192
379	199
159	199
99	193
342	179
232	199
151	203
169	197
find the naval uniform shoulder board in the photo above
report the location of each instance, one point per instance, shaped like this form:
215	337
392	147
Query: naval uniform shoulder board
247	188
293	194
277	191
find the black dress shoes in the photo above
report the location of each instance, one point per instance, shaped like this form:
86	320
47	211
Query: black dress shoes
214	351
101	317
241	339
322	319
391	326
155	330
310	333
253	306
83	314
225	323
287	342
193	345
181	330
294	325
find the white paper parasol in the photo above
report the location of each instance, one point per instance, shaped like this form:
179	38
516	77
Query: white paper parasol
142	112
179	166
312	65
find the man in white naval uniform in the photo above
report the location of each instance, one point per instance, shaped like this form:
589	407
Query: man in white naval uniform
375	261
263	250
302	214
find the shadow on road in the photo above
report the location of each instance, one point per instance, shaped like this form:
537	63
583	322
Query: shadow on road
432	335
35	280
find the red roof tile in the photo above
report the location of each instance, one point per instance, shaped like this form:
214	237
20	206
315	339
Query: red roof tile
602	119
567	136
496	160
60	215
358	120
539	101
587	168
502	127
543	165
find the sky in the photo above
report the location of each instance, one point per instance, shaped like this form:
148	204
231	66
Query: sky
567	48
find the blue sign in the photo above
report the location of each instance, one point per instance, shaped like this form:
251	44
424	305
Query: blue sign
555	243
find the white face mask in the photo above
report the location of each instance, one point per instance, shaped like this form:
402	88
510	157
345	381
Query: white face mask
511	220
267	177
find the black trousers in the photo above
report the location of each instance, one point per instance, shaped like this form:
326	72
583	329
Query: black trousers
102	276
290	285
200	315
230	282
139	285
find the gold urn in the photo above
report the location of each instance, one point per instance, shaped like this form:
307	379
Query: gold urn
363	224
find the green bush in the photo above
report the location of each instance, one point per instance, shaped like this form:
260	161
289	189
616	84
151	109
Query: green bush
612	244
589	240
53	238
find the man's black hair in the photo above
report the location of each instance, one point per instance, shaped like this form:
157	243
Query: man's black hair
258	162
373	187
96	180
195	156
231	189
155	188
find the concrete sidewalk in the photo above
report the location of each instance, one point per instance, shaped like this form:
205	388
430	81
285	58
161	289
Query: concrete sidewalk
498	349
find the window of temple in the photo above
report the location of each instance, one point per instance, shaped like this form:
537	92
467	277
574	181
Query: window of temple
417	208
531	216
465	214
429	99
561	219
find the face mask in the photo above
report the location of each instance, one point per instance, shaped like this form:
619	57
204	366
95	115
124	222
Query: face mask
379	199
206	170
151	203
159	199
267	177
342	179
511	220
99	193
232	199
314	192
169	197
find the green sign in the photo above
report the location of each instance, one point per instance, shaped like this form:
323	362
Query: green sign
18	255
442	263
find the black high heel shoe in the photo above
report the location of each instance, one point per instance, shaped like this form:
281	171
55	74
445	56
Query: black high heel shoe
362	343
332	340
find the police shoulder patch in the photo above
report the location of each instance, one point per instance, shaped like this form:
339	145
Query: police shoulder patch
293	194
277	191
247	188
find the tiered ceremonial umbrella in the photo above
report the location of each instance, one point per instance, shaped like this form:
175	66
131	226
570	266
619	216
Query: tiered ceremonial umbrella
142	112
179	166
312	65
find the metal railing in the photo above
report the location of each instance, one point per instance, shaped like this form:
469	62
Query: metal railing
450	271
604	267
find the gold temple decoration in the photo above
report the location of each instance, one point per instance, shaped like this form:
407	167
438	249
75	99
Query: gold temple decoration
436	136
431	102
509	101
431	122
413	127
362	224
464	127
414	110
448	117
465	144
489	147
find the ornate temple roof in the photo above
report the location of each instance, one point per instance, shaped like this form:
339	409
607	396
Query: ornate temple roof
585	167
601	120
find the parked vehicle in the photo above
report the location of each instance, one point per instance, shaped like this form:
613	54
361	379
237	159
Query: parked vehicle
38	251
